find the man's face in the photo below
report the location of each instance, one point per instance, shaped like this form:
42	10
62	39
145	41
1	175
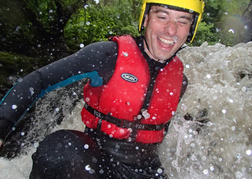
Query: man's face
166	31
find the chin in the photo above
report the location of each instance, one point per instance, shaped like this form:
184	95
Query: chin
165	57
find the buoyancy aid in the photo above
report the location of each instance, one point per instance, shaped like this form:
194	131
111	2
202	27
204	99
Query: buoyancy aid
123	96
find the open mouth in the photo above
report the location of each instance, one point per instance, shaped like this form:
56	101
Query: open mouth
168	42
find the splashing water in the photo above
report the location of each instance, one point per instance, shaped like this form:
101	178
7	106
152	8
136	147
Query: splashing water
209	137
216	141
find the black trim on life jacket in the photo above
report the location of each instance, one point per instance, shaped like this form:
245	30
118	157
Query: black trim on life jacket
122	122
146	102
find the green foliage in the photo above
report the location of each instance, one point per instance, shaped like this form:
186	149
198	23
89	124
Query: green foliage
207	30
205	33
221	22
97	22
35	28
13	64
235	6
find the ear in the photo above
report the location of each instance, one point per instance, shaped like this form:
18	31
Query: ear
146	20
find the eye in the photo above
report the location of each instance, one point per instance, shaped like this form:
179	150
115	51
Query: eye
184	21
162	17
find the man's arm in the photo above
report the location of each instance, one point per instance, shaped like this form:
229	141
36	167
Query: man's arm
96	61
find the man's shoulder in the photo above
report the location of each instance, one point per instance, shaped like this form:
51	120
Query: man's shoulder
99	48
102	45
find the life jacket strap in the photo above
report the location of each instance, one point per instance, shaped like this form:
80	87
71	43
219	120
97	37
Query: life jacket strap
122	122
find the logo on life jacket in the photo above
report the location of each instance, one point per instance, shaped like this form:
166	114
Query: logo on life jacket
129	77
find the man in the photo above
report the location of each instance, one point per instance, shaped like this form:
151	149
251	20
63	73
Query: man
135	86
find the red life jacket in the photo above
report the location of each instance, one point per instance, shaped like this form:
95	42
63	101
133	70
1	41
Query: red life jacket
123	96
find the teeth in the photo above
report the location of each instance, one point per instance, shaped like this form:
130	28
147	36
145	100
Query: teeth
169	42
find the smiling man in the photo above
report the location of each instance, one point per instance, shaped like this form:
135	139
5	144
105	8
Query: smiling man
166	31
134	89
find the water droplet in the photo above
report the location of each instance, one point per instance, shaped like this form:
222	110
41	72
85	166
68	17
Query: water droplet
205	171
36	144
238	174
231	31
192	145
244	88
121	131
87	167
14	106
231	101
183	107
233	128
193	158
191	10
31	89
82	45
125	54
160	170
203	158
248	152
86	146
139	116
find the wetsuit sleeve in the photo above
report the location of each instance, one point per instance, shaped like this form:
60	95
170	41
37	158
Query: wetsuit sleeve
96	61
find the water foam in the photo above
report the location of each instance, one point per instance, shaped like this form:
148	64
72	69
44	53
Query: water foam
216	142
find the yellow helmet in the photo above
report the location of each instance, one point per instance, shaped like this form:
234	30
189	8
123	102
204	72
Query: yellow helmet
193	6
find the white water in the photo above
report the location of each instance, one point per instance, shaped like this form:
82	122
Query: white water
222	148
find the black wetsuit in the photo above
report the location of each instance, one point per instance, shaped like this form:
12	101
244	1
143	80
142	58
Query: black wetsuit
73	154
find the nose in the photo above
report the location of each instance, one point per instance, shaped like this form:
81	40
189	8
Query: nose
171	27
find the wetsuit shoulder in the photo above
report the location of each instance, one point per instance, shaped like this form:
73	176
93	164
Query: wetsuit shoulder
95	61
102	58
